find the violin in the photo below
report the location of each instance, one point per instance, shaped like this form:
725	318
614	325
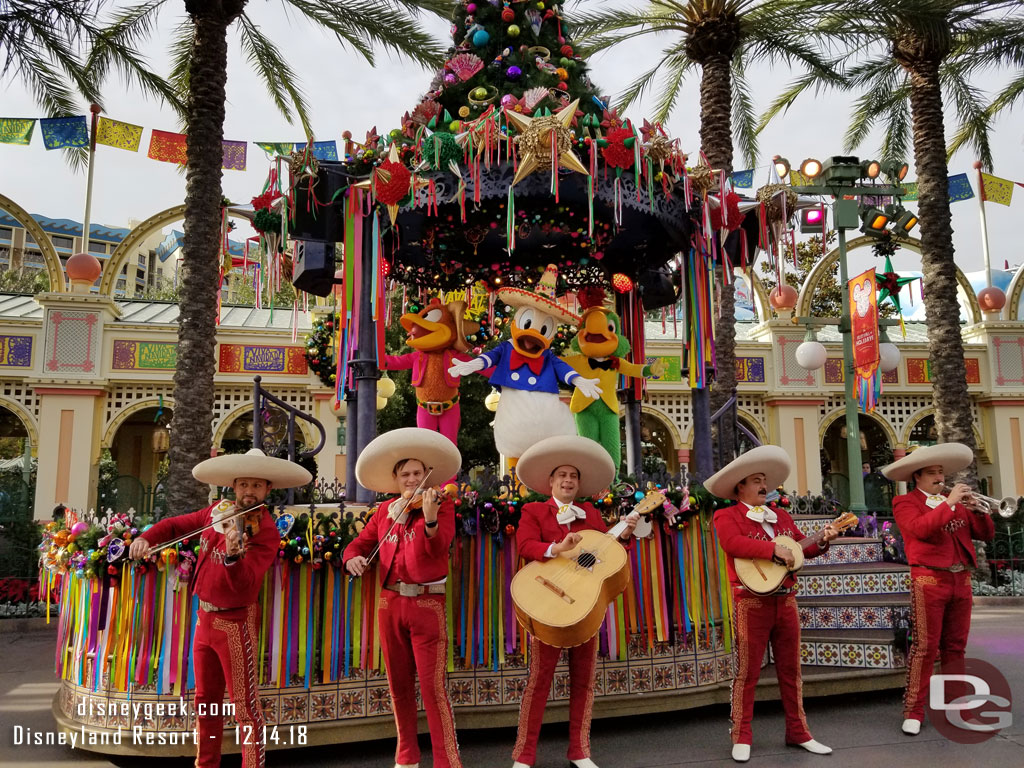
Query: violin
226	516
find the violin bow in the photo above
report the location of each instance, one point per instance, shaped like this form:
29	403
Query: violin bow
408	501
197	531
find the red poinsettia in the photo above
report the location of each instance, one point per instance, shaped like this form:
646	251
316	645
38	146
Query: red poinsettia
889	281
616	153
392	183
265	200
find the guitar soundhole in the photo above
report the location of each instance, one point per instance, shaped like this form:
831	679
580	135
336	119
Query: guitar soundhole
586	559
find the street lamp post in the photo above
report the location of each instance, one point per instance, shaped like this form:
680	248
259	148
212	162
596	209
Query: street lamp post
840	180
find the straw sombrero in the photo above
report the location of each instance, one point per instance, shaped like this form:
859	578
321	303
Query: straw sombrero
543	298
375	465
952	456
222	470
769	459
590	459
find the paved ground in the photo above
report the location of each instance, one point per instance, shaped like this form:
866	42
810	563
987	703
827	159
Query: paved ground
863	729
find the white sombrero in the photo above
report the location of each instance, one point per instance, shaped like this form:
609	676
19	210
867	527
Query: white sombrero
952	456
222	470
543	298
769	459
375	465
541	459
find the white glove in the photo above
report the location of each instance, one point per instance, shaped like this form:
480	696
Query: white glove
466	367
588	387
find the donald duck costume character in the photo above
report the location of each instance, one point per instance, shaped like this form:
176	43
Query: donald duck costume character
529	373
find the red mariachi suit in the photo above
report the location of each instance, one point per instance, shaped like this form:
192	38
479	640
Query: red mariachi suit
538	529
225	643
414	630
937	539
759	619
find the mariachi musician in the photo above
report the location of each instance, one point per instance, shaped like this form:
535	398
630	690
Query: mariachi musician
234	555
566	468
746	530
412	534
937	530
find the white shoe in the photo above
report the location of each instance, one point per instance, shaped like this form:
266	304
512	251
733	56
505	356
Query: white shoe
583	762
911	727
741	752
815	747
413	765
517	764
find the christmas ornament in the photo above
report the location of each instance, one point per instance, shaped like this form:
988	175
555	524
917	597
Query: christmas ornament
513	73
513	30
618	148
508	15
465	65
546	142
481	37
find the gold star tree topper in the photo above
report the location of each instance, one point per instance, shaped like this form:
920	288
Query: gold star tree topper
535	142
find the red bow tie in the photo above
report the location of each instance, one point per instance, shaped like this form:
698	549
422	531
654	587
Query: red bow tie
517	360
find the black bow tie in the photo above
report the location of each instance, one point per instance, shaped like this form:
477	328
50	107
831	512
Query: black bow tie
605	365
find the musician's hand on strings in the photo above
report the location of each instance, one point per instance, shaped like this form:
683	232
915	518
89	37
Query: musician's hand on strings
234	543
357	565
140	549
431	504
783	554
570	541
829	533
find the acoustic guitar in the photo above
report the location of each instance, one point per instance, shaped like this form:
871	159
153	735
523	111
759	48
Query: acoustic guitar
562	601
764	577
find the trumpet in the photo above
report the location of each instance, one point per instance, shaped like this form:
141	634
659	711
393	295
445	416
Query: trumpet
1006	507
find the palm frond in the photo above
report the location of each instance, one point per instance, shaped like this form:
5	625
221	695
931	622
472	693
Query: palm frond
973	116
744	122
180	50
361	25
781	103
1009	96
276	73
678	66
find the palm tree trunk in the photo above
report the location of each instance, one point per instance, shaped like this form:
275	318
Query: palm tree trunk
945	344
716	143
192	424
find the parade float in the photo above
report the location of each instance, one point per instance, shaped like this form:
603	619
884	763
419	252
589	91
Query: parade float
512	166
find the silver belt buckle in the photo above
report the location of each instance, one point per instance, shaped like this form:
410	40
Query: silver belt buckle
959	567
409	590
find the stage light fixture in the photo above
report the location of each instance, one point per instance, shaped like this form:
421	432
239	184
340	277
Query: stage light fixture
896	171
874	221
870	169
810	168
781	166
812	220
904	223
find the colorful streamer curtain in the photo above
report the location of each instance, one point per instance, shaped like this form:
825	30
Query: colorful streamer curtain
318	625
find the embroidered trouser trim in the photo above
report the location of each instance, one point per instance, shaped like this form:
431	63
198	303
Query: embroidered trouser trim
543	660
940	608
414	639
224	651
760	620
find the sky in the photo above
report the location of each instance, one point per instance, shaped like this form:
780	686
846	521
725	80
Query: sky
346	93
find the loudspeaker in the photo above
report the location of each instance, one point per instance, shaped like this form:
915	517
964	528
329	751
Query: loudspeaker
656	288
317	213
313	271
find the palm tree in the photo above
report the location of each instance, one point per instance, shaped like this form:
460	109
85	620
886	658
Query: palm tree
199	72
721	38
909	58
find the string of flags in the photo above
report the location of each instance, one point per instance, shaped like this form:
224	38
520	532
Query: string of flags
993	188
165	146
